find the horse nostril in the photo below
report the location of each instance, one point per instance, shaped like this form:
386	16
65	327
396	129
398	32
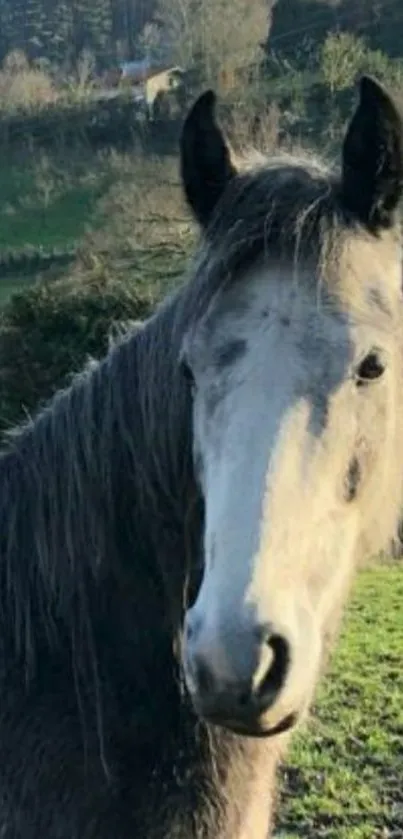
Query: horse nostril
240	680
244	699
272	680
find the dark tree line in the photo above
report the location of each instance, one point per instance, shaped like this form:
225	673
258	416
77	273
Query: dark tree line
60	29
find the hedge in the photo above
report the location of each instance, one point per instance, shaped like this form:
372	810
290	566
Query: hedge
49	330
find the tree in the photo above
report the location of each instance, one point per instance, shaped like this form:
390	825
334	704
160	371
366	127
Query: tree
214	36
61	29
342	59
149	42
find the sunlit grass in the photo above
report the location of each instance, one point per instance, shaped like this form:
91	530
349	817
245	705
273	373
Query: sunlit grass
344	774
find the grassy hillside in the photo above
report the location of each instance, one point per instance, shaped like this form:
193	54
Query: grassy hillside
115	207
46	204
47	201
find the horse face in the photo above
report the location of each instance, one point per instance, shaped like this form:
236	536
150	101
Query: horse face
296	374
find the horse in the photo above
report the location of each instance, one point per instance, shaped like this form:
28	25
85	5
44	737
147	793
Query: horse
180	526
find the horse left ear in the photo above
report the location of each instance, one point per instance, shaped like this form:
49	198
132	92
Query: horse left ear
372	175
205	159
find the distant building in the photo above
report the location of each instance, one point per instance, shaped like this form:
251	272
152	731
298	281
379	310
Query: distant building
150	84
162	81
150	80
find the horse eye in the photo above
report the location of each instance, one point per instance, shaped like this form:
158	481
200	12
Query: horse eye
370	368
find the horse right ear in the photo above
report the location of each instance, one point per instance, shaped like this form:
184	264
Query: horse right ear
372	182
205	159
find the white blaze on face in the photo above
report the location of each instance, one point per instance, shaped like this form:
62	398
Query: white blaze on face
278	533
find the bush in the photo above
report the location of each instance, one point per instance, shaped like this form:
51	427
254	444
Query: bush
342	60
143	207
24	86
49	331
344	56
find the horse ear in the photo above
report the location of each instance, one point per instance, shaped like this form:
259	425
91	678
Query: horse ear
372	166
205	159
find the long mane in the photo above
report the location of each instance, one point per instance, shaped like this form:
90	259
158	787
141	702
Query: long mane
102	476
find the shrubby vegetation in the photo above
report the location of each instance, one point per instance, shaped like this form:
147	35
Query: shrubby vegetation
50	330
134	252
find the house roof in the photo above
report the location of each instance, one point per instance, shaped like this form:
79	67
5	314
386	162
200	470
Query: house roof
143	70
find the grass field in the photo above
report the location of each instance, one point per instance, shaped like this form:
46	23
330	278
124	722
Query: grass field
45	206
46	202
52	202
344	778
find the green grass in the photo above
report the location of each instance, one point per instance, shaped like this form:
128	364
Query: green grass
344	775
57	225
46	206
46	203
